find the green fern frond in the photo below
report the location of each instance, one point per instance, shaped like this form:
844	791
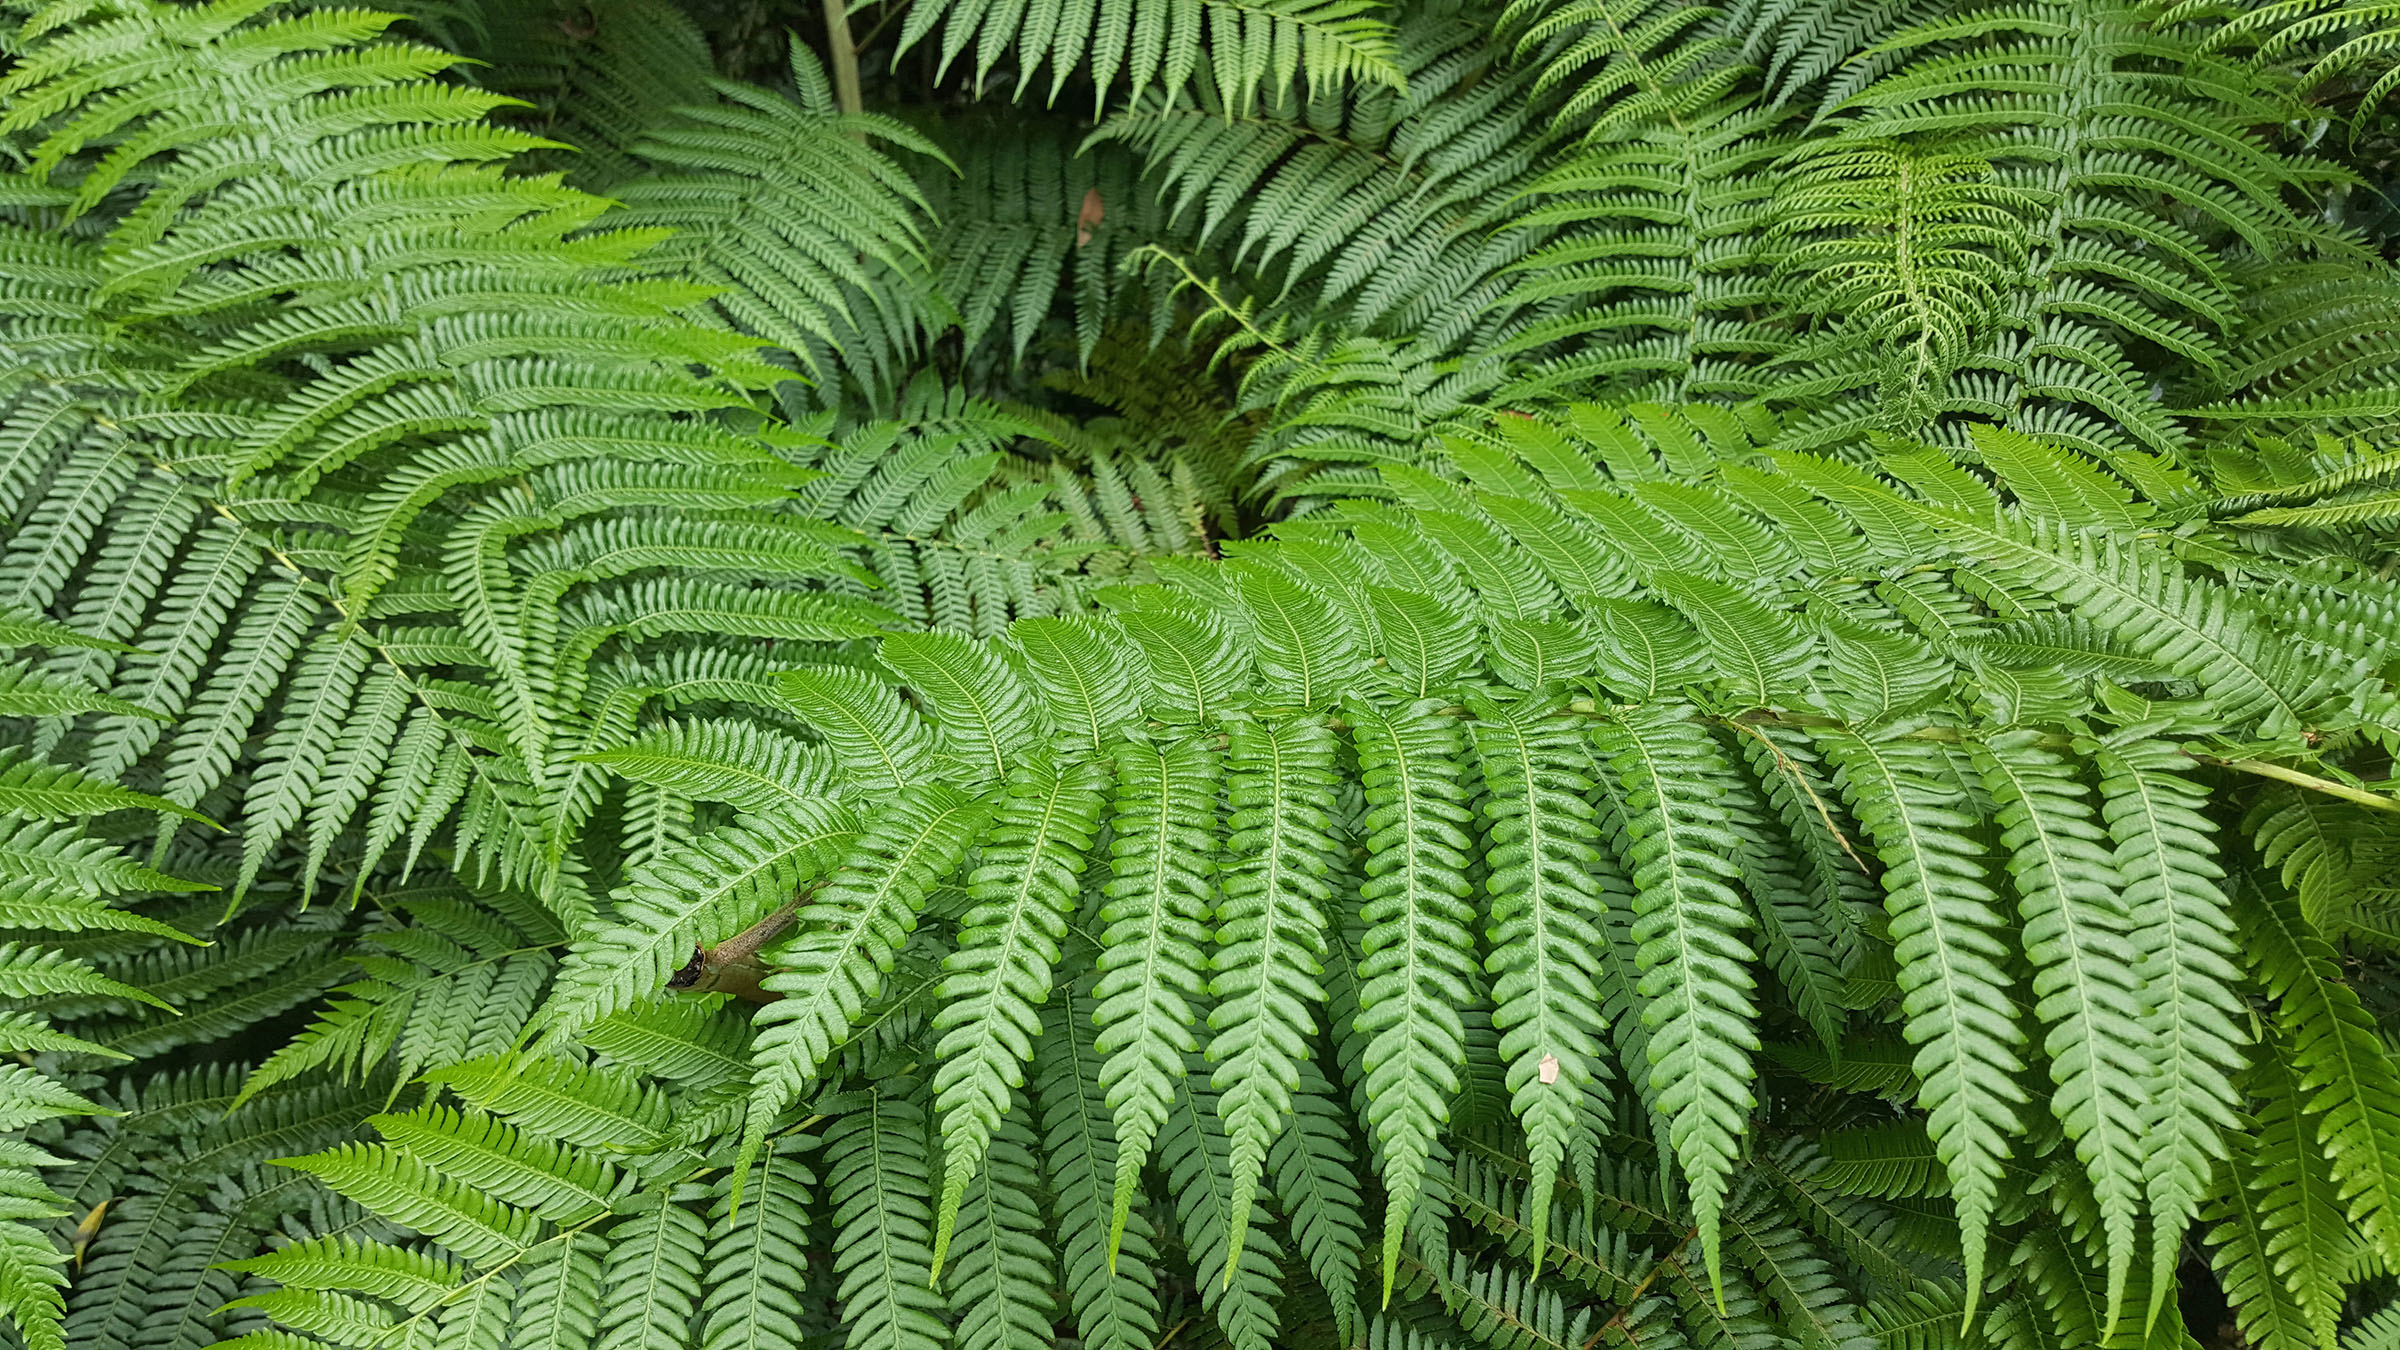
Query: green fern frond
1111	1284
1688	926
1272	940
1247	47
880	1184
795	219
1414	974
2076	934
2342	1075
853	926
719	884
1952	983
1159	896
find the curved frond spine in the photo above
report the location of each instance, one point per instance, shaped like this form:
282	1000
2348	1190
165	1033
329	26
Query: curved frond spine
1305	646
984	717
877	740
1085	679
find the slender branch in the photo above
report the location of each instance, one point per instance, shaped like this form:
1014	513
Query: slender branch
2281	774
1784	765
842	54
1625	1305
883	21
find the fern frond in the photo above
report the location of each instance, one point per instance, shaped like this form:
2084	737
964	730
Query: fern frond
714	886
1195	1153
2183	935
849	933
1414	973
2342	1073
2075	933
995	984
1001	1267
1694	976
1110	1283
1271	939
880	1184
1159	897
757	1256
737	762
1952	983
1248	46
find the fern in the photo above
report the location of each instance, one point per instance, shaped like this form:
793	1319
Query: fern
1413	971
1272	941
2075	934
2055	364
2342	1073
1004	840
1691	955
1002	972
2182	935
1950	976
787	251
855	921
1333	41
1159	899
1110	1282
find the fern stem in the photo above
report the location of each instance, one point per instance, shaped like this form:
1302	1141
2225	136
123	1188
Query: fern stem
1625	1305
843	54
2282	774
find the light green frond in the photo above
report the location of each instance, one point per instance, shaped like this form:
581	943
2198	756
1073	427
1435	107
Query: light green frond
1952	982
1542	838
879	1183
1415	973
709	889
1694	963
1272	939
2342	1074
2086	966
1160	894
875	738
850	930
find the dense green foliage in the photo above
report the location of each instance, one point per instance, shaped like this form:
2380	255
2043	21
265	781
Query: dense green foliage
1372	673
